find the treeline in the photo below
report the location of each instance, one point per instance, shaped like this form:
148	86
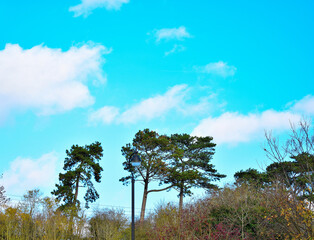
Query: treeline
276	203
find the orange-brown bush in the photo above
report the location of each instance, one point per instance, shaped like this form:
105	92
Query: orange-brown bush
234	212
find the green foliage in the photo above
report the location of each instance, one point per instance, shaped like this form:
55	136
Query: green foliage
190	163
152	150
287	184
180	161
81	164
296	175
251	177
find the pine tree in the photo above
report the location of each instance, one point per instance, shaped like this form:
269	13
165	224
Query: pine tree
81	164
152	149
190	164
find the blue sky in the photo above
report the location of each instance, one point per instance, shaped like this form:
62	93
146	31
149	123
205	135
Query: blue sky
75	72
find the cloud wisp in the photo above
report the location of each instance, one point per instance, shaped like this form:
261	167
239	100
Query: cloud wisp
176	48
147	109
233	128
105	115
167	34
48	80
220	68
171	34
87	6
154	107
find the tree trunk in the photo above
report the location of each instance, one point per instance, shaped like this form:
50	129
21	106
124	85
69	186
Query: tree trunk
145	193
181	200
76	188
76	209
181	191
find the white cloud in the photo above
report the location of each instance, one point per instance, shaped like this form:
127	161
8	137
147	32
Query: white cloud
234	128
87	6
48	80
156	106
26	174
147	109
218	68
171	34
176	99
176	48
305	105
106	115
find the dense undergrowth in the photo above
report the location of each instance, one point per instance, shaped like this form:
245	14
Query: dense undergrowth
234	212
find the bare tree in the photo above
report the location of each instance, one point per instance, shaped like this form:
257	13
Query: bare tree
293	167
3	198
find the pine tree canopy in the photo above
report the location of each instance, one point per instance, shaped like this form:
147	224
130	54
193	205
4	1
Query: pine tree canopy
80	166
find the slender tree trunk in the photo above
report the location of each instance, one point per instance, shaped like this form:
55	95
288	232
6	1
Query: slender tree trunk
180	207
181	200
145	193
72	210
76	188
181	191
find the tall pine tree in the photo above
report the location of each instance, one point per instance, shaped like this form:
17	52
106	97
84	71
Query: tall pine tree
152	149
81	164
190	165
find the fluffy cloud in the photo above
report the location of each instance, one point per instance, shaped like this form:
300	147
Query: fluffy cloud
218	68
48	80
234	128
87	6
26	174
171	34
106	115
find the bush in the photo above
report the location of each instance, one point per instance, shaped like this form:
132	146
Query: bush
108	224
